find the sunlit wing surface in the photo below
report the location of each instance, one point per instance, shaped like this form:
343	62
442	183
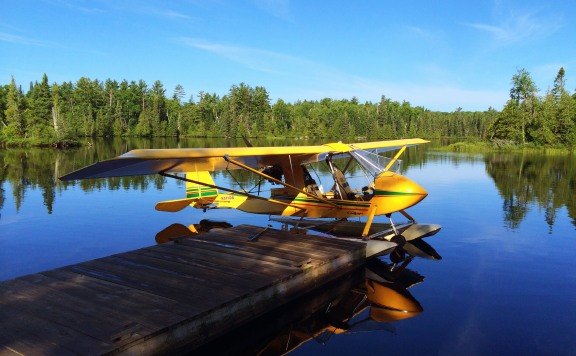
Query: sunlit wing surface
152	161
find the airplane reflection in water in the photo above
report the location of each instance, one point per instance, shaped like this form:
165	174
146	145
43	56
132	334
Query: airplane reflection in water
369	300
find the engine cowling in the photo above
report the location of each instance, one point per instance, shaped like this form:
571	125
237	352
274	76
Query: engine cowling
394	192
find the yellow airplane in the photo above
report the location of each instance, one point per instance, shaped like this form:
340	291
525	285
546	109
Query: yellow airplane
299	195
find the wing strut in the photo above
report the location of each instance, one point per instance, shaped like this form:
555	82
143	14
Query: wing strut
250	169
393	160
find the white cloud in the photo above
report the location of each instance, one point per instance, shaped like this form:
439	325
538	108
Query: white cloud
420	32
75	5
278	8
253	58
7	37
173	14
519	27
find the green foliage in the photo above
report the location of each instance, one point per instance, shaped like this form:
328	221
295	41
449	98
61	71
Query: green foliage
529	120
91	108
508	124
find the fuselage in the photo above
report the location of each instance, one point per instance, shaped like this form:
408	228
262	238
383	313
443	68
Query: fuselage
391	192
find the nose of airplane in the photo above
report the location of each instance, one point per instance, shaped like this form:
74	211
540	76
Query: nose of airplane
393	192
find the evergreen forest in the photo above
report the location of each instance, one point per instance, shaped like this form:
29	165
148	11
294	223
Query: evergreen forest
59	114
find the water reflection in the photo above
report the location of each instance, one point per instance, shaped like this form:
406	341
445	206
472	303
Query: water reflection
370	300
526	179
39	169
177	230
373	305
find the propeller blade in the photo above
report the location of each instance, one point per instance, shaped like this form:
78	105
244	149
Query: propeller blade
173	206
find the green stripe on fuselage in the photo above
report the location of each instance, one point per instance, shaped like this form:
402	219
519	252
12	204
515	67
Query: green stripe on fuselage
384	193
306	200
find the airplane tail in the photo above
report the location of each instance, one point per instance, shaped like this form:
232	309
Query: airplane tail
197	195
204	195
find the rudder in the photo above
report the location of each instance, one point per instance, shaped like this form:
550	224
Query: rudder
203	193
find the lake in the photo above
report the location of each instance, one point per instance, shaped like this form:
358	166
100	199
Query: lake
506	283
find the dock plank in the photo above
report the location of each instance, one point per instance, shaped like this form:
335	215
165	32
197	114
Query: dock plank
283	249
105	303
33	335
230	247
115	270
321	243
155	299
253	255
83	316
208	278
232	264
117	293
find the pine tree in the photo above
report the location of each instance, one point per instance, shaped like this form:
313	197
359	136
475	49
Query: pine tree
15	126
508	124
523	93
559	84
39	113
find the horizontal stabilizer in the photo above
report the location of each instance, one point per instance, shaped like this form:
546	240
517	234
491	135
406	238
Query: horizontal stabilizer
173	206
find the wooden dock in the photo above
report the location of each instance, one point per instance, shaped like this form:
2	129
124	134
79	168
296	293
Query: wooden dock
159	298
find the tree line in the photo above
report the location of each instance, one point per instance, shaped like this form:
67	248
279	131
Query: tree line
55	113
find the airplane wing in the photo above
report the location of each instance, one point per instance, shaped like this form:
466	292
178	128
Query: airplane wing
152	161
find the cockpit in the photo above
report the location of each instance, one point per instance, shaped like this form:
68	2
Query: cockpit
352	174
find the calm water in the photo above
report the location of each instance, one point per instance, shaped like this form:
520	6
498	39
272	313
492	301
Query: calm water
506	283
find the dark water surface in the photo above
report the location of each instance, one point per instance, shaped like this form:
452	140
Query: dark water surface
506	283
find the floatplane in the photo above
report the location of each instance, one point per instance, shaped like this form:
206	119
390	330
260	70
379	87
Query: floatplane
300	200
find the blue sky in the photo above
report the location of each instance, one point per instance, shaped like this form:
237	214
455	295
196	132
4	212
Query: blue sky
438	54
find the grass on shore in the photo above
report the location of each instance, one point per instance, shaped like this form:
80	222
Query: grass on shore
484	147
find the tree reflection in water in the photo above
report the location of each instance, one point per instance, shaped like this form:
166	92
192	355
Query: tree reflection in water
548	181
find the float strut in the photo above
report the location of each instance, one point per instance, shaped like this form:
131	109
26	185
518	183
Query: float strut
371	214
389	216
